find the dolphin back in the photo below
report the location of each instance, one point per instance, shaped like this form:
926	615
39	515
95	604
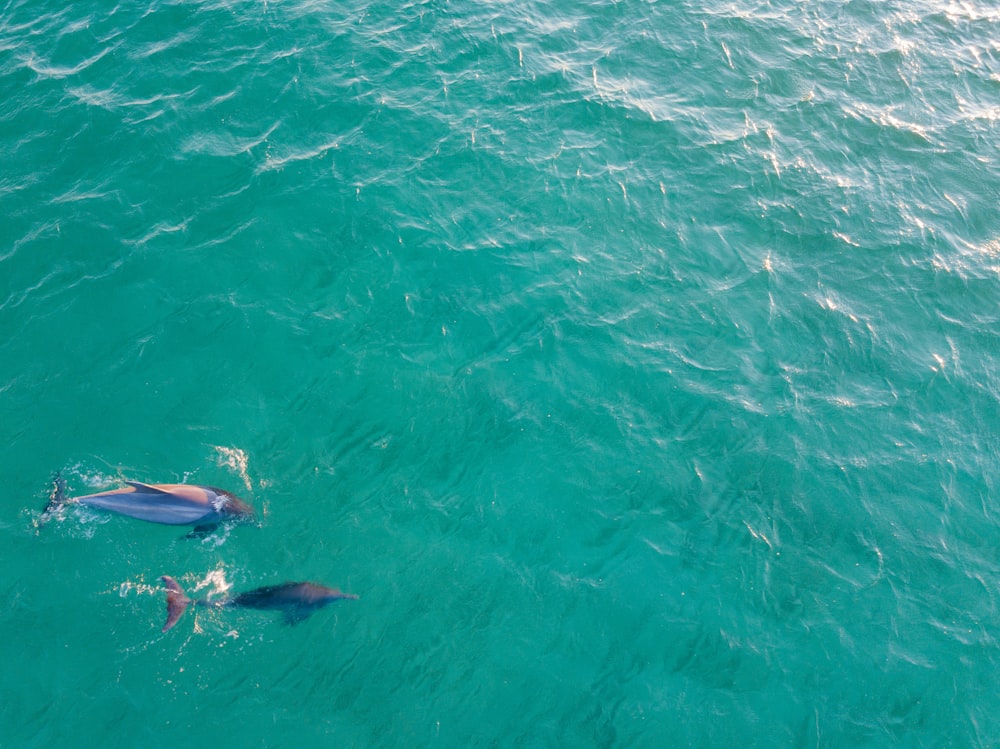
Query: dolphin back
295	600
288	595
169	504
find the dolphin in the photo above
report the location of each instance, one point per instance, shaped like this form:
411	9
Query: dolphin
169	504
295	600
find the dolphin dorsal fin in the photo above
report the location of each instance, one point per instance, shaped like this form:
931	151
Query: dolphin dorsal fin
146	487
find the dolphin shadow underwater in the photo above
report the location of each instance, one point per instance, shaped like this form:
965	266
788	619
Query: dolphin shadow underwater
169	504
296	601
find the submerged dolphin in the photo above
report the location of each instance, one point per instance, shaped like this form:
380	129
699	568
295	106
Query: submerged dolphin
295	600
170	504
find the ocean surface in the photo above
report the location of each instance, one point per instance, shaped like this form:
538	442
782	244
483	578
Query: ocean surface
636	363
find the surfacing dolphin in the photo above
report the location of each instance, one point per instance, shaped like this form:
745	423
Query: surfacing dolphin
295	600
169	504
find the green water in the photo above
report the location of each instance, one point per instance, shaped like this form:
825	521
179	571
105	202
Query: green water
635	363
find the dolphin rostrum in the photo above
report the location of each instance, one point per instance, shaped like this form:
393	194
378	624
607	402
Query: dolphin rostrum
170	504
295	600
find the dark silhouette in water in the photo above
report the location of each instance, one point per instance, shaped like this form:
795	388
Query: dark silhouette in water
170	504
295	600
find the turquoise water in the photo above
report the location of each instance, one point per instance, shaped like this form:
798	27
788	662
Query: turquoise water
637	364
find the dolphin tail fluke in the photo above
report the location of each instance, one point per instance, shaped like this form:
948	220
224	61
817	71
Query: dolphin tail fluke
57	498
177	601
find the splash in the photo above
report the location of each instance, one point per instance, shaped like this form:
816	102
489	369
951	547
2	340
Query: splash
92	478
235	459
216	582
218	537
140	587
